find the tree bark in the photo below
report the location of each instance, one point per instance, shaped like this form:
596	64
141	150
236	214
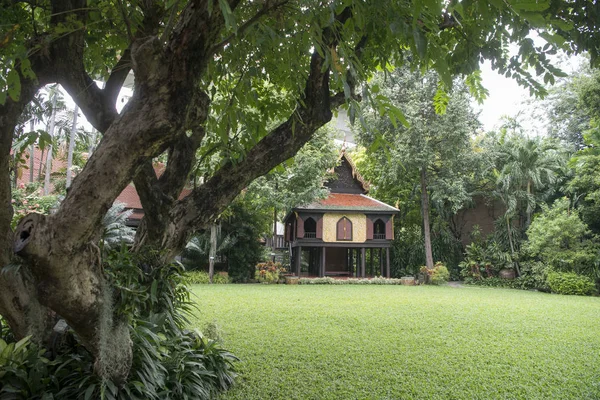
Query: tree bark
426	226
18	299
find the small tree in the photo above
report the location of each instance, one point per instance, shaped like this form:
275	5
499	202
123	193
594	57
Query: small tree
560	239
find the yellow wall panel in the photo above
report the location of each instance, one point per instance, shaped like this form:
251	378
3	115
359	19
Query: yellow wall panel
359	227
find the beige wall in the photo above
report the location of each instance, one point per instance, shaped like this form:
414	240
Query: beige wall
359	227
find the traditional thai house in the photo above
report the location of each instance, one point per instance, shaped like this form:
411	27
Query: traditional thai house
346	234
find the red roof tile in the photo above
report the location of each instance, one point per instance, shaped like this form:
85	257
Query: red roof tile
346	201
130	198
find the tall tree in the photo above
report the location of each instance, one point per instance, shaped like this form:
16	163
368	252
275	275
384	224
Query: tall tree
204	73
432	144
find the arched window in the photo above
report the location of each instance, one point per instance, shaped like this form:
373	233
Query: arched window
344	229
379	229
310	228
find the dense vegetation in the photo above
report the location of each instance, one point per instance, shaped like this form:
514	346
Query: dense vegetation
545	186
225	91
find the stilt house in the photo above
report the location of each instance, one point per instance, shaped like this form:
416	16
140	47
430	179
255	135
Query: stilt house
346	234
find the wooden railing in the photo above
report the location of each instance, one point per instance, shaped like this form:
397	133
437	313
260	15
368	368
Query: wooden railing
379	236
310	235
279	242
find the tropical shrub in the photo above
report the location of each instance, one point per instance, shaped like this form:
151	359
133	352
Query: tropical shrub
562	241
570	283
484	258
27	199
437	275
244	225
169	361
522	282
201	277
268	272
350	281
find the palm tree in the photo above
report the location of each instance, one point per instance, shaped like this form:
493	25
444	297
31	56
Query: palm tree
198	249
526	170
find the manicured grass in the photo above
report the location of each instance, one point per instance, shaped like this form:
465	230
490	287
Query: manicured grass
399	342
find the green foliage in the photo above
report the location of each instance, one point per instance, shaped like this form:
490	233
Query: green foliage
298	181
169	361
245	223
438	275
484	258
561	240
268	272
27	199
408	254
378	280
115	231
522	282
201	277
197	251
570	283
437	142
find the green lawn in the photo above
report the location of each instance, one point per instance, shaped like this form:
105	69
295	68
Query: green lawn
399	342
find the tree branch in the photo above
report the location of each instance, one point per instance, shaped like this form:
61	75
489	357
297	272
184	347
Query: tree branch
117	77
246	25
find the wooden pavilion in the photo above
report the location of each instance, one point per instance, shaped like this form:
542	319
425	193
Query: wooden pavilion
346	234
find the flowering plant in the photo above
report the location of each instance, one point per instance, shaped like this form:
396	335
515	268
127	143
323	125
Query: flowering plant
268	272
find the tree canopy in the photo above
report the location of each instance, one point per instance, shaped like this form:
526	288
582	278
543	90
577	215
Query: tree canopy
205	76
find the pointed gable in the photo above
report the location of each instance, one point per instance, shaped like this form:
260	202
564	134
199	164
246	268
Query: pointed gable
348	179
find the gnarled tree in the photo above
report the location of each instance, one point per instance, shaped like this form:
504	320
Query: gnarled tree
204	77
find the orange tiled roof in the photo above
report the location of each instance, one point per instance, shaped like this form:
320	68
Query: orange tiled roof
349	202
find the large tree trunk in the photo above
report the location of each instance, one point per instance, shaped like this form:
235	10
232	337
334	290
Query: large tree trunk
18	298
166	113
426	226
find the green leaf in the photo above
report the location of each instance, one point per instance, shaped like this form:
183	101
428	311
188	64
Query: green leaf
89	392
420	42
14	85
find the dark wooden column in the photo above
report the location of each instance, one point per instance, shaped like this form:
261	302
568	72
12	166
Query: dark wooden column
387	262
298	260
362	262
381	261
372	265
323	261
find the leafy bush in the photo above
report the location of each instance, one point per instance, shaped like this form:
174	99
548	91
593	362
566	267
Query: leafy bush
169	361
523	283
244	225
437	275
268	272
26	199
570	283
561	240
201	277
484	258
350	281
